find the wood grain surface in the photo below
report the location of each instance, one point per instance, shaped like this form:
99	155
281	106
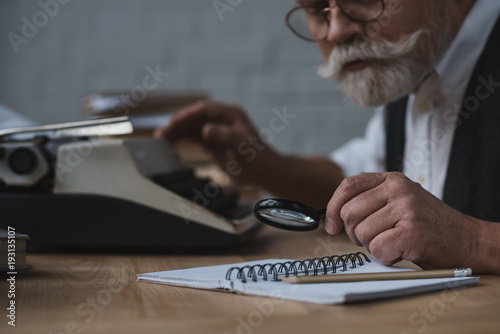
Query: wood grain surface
98	293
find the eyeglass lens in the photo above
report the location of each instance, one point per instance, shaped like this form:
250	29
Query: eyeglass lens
311	21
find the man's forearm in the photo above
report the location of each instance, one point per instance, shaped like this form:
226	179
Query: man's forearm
308	180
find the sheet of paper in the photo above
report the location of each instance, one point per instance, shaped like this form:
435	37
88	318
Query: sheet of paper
214	277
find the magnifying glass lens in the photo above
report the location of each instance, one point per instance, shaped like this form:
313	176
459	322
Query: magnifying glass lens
286	217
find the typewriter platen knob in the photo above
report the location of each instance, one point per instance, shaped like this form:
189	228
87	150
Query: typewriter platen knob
23	161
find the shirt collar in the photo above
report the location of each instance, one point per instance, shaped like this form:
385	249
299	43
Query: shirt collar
453	72
468	45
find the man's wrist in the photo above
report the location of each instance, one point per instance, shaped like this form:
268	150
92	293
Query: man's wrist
484	246
273	172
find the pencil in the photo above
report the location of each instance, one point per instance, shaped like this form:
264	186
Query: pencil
336	278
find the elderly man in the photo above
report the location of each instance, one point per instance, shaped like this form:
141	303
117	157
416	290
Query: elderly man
423	184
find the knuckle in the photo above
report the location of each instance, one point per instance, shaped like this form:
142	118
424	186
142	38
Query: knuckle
191	110
196	107
346	213
348	184
362	234
394	178
202	104
409	205
409	226
208	130
397	182
331	207
409	219
396	175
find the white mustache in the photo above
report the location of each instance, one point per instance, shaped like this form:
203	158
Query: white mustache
359	50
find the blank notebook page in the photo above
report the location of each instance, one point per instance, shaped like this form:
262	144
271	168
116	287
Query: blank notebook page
213	278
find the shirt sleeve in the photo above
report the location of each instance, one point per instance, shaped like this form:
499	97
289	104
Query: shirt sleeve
365	154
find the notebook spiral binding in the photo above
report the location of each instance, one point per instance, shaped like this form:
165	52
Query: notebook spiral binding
313	266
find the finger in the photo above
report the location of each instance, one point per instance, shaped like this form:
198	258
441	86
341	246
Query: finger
221	157
389	247
221	141
348	189
376	223
165	130
163	133
180	125
189	121
220	136
360	207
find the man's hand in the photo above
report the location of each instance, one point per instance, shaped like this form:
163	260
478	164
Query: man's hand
227	134
395	218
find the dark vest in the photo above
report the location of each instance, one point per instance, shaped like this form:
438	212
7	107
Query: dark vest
472	183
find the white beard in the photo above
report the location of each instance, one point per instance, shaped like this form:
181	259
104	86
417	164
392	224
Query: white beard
397	68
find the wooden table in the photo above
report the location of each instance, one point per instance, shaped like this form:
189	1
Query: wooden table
94	293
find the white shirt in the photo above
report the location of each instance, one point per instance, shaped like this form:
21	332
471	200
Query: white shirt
430	117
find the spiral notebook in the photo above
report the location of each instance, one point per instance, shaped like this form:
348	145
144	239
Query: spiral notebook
262	278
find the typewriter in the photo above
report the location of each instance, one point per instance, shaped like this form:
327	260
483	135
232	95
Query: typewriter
83	185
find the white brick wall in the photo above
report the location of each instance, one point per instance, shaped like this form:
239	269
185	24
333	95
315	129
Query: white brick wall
249	58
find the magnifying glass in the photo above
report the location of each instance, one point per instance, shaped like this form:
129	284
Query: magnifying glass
288	215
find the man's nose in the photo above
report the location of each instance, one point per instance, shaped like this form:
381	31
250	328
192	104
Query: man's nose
342	28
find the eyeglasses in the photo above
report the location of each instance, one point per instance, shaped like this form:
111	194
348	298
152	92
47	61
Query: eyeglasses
310	20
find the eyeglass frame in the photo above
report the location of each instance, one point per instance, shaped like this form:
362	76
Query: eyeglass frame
327	19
